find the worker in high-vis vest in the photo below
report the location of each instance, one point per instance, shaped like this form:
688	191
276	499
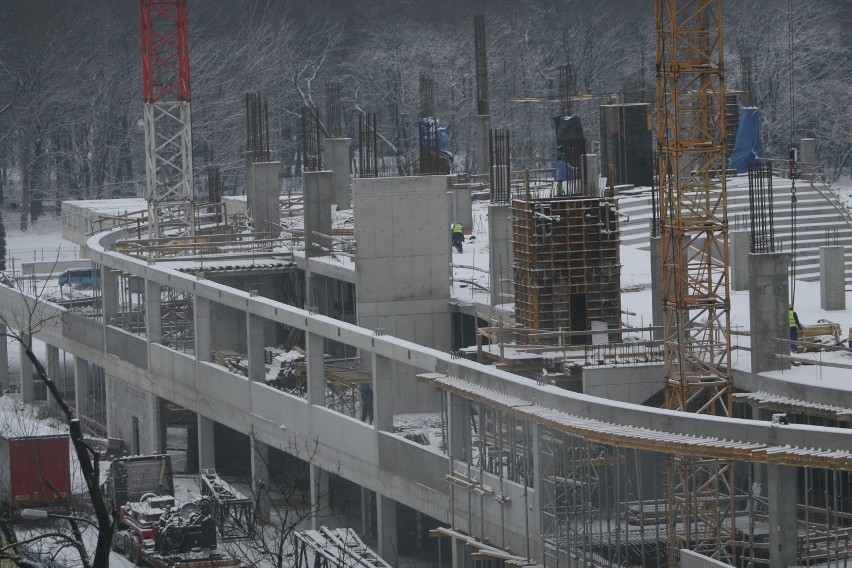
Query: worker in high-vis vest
795	327
458	236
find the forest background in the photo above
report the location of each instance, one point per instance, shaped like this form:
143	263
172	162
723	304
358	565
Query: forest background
71	103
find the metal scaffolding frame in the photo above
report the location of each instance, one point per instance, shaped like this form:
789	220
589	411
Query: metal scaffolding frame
694	251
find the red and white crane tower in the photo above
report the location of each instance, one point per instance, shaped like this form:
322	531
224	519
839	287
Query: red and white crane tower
167	117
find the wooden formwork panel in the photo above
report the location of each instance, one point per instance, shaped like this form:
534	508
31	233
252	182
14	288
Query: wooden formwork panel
566	263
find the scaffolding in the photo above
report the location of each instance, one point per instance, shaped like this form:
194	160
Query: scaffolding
567	268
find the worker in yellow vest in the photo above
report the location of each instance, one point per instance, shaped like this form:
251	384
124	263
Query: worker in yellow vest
458	236
795	327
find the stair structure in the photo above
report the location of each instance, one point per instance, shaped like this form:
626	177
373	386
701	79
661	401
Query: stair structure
821	219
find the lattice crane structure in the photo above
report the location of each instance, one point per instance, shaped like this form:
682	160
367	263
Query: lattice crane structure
694	252
167	117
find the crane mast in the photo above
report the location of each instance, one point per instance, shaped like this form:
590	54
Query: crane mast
167	117
694	252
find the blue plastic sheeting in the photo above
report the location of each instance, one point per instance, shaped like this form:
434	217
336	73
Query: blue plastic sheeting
747	146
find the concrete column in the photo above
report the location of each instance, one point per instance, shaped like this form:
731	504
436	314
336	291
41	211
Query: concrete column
262	196
769	296
4	360
483	158
500	254
318	194
782	523
108	387
738	257
53	372
337	159
656	286
807	150
155	425
109	294
315	354
591	174
456	427
81	368
206	443
382	393
388	544
256	344
367	512
260	478
316	292
320	499
153	312
462	205
27	383
202	323
832	277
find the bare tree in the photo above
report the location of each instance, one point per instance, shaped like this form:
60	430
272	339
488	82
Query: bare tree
33	316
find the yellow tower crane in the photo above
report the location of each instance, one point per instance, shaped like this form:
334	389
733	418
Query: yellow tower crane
694	252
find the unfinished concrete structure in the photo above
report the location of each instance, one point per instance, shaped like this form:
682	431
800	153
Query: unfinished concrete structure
567	271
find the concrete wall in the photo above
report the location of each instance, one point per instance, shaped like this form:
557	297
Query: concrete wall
125	403
403	256
633	383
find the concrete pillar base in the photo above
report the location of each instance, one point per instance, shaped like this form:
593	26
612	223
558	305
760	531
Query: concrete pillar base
832	277
769	296
206	443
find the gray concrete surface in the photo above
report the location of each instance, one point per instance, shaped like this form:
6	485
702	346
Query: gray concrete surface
738	257
832	281
337	160
318	199
502	288
769	296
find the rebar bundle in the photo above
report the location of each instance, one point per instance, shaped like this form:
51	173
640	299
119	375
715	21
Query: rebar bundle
430	152
746	78
368	155
333	110
498	149
761	208
481	64
565	91
427	95
311	149
214	184
257	127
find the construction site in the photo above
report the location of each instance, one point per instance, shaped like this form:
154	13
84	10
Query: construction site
601	373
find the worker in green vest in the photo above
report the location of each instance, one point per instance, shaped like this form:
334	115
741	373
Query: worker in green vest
458	236
795	327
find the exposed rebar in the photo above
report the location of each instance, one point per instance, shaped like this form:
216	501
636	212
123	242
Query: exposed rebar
761	208
257	127
333	110
430	152
746	77
311	149
427	95
368	155
498	149
214	184
481	64
565	90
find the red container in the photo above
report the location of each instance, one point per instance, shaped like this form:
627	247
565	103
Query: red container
29	465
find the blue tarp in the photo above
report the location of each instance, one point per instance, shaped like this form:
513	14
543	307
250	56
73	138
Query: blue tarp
747	146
